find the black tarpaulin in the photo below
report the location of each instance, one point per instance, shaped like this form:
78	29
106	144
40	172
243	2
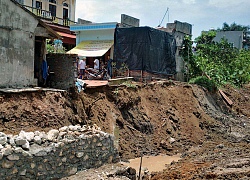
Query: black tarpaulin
145	48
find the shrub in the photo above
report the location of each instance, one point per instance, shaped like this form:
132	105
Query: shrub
204	82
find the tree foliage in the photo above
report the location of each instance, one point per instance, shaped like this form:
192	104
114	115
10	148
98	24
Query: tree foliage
212	57
240	68
233	27
55	46
210	85
186	52
219	60
206	37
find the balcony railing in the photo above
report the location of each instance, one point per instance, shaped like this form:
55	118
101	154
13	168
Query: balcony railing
61	21
47	15
39	12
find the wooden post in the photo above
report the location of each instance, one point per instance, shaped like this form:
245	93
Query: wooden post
140	168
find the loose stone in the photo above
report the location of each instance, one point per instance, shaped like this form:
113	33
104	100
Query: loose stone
13	157
7	164
52	134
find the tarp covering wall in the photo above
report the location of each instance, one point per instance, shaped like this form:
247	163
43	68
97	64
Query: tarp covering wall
145	48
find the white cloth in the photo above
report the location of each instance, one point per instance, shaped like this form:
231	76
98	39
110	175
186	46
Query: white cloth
82	64
96	64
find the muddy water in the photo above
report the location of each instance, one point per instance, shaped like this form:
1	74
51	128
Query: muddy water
152	163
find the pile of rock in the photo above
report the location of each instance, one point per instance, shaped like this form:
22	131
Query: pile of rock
55	154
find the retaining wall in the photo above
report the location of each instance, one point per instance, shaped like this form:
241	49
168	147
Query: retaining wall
56	154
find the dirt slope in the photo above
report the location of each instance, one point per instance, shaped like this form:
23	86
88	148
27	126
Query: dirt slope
159	117
32	111
152	118
225	152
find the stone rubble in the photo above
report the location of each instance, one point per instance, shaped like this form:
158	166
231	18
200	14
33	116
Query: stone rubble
56	154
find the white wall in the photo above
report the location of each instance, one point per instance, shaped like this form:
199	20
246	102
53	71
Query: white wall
16	45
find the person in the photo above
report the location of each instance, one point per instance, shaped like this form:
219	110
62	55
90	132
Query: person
82	66
109	66
101	64
96	64
45	71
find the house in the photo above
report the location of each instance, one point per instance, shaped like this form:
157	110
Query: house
57	14
233	37
22	45
94	40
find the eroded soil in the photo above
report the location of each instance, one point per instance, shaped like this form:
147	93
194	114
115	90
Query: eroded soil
160	117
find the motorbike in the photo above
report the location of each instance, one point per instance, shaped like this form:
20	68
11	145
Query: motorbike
93	74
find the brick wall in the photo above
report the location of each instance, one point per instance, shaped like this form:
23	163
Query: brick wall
62	70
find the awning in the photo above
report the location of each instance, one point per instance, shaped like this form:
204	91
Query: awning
95	48
66	35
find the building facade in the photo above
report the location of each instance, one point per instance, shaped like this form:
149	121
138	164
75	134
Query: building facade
94	40
60	11
57	14
233	37
22	43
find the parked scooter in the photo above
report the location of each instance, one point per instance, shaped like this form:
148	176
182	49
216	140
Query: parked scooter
92	74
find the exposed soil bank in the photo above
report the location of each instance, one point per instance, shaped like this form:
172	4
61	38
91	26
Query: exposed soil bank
160	117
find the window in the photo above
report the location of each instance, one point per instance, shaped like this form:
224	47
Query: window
39	5
52	9
65	13
65	5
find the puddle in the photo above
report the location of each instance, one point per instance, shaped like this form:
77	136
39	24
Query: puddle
152	163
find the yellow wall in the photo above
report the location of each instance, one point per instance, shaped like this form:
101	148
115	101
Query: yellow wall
59	8
27	2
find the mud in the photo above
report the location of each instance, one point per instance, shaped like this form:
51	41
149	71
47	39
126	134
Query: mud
152	163
160	117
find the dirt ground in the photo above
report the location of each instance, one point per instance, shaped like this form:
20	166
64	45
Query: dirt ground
159	117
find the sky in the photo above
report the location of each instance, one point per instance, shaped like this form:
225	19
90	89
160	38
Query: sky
201	14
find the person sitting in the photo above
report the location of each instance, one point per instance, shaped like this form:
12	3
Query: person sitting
96	64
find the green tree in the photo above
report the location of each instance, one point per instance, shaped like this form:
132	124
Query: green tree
191	70
221	61
214	58
233	27
240	68
206	37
